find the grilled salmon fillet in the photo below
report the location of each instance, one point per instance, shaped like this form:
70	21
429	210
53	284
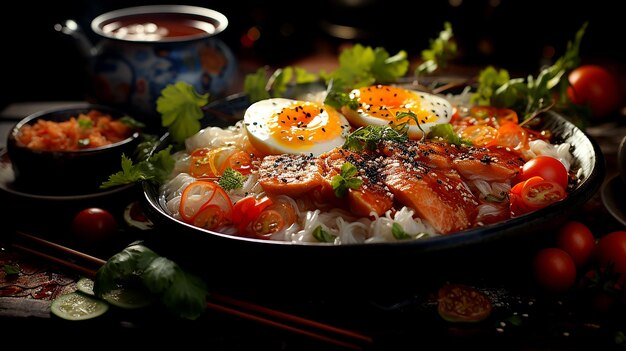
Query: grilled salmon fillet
427	176
373	195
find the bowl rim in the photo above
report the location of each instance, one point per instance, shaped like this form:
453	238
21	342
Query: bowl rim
216	18
12	137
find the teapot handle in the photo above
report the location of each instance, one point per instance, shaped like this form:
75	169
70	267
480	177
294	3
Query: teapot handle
71	28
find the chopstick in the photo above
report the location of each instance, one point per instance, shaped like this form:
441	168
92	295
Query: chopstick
239	308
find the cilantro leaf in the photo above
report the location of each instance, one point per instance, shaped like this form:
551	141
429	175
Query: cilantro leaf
231	179
361	66
347	179
156	168
254	85
322	235
181	109
442	49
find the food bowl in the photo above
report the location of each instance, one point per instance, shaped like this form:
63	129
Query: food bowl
52	165
244	262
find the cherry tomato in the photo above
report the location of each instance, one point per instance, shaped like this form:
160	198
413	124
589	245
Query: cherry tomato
541	194
93	225
577	240
554	270
611	250
462	303
546	167
594	86
246	210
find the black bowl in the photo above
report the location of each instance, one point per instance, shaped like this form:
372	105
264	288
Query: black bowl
243	262
66	172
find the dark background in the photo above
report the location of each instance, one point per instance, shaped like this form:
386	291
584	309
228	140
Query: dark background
42	64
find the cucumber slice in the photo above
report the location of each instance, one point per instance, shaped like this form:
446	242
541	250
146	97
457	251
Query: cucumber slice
128	298
76	306
85	285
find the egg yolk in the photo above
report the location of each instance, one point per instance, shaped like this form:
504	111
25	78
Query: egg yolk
385	102
304	124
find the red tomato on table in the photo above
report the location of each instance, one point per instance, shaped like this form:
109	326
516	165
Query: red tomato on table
577	240
554	270
594	86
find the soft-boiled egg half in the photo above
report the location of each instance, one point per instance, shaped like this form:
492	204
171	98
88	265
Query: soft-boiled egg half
379	105
279	126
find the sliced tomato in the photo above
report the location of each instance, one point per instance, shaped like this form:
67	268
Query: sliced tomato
480	135
517	204
199	195
462	303
513	136
240	161
209	217
211	163
541	194
277	216
246	210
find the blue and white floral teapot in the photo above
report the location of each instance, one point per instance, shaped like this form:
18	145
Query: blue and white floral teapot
143	49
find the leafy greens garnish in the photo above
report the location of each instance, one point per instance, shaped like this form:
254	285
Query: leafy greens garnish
369	137
131	122
180	107
182	293
534	93
338	99
322	235
442	49
231	179
156	168
361	66
346	180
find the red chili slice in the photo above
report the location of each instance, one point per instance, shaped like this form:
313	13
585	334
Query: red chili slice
462	303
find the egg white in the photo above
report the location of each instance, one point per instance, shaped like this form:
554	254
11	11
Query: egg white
436	109
327	128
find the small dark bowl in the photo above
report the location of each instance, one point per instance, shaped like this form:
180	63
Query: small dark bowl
66	172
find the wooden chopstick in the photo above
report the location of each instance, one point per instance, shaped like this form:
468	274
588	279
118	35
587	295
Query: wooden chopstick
289	317
212	305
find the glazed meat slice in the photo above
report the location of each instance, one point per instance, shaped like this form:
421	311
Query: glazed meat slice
291	175
373	195
439	196
489	164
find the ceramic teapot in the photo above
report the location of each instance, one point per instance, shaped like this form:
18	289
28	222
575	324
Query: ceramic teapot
140	50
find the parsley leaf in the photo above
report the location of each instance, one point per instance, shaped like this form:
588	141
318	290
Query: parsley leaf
181	292
322	235
346	180
442	49
231	179
361	66
156	168
181	109
254	85
338	99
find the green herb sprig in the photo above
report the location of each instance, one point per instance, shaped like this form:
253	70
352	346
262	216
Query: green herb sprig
346	180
